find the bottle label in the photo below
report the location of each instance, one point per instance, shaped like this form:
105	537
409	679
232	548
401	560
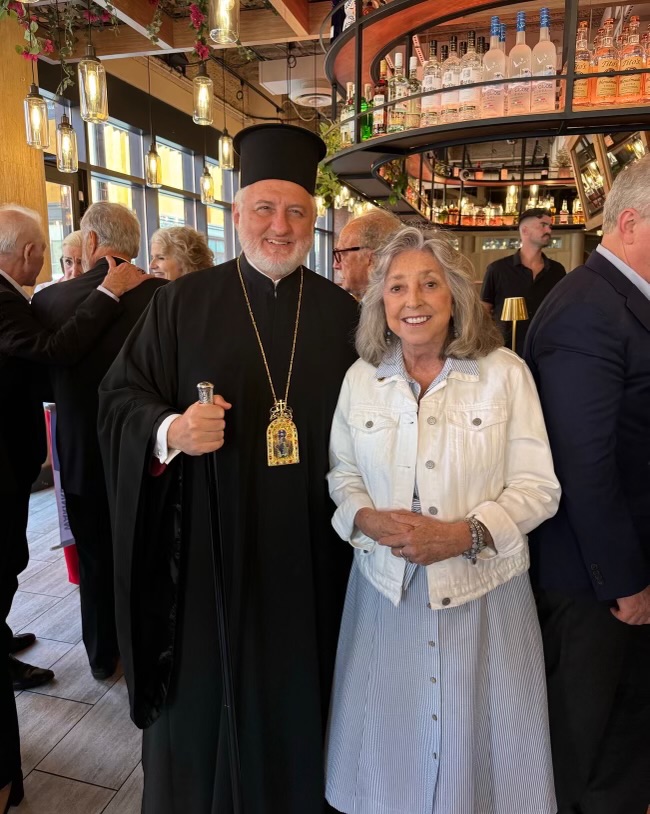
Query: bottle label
630	85
581	87
431	82
493	98
470	95
606	85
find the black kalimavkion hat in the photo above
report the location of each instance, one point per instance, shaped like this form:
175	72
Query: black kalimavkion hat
280	152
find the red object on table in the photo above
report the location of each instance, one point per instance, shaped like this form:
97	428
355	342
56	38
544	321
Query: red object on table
72	563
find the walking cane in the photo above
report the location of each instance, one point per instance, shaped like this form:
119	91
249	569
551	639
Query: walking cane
206	392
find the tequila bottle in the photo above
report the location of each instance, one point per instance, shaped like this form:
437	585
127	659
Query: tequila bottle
630	88
414	105
431	82
544	58
347	117
398	88
380	98
583	59
481	47
519	65
450	82
606	57
471	72
462	49
494	67
366	107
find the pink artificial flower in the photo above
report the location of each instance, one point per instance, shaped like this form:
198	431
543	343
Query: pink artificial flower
17	7
48	47
202	50
106	16
31	57
196	16
90	16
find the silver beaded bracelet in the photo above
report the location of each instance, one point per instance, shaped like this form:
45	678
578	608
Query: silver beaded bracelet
477	530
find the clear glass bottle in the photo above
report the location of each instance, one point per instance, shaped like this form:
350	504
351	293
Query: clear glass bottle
494	67
347	117
380	98
450	83
646	65
519	65
503	30
462	49
366	107
414	105
606	57
431	82
398	88
471	72
564	214
582	65
544	59
630	88
481	47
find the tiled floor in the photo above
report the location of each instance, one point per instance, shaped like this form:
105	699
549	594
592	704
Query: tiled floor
80	751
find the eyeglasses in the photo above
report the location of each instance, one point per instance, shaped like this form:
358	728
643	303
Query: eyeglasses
338	252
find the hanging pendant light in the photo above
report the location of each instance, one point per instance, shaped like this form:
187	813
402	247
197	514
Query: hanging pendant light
223	21
93	96
226	149
203	96
66	146
153	167
207	186
36	126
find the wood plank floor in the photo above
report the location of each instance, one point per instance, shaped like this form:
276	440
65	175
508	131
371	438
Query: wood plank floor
80	751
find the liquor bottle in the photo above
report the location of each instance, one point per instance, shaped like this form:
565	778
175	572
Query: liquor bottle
481	47
606	58
450	82
453	216
380	98
471	71
365	125
494	67
583	59
347	117
564	214
519	65
630	88
413	105
431	82
544	58
544	173
646	65
398	88
462	49
578	214
503	28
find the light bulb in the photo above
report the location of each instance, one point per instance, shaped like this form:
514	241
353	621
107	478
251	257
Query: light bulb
66	147
207	186
153	168
226	152
93	96
203	96
223	20
36	126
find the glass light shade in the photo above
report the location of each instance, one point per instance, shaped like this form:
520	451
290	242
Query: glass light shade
203	96
66	147
93	96
226	152
36	127
207	187
153	168
223	20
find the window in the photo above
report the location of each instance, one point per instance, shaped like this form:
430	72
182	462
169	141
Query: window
127	194
59	216
114	147
320	257
216	216
174	210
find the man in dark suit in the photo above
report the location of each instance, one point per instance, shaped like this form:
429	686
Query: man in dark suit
589	350
107	229
25	348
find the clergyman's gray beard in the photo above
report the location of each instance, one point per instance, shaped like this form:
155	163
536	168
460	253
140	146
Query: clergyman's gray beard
279	267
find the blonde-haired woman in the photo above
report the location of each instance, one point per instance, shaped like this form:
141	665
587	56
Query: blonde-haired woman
178	250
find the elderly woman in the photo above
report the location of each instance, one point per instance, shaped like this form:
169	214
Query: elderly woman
71	256
440	468
177	251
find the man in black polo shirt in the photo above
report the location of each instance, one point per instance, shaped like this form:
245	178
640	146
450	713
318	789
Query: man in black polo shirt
527	273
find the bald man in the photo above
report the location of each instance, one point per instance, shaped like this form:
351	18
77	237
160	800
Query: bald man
360	238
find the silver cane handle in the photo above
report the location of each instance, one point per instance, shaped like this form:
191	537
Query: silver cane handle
206	392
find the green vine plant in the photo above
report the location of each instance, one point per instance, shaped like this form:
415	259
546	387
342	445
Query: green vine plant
328	186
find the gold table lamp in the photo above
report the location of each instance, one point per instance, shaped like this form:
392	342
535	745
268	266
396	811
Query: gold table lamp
514	310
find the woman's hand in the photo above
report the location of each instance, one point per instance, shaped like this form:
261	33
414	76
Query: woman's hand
423	540
378	525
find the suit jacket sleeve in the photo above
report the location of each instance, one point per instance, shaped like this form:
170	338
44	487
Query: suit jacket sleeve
22	335
580	360
488	293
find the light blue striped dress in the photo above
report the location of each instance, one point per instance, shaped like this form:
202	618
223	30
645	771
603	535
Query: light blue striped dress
439	712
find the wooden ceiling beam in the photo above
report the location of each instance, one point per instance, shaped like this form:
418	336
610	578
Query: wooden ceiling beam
138	15
295	13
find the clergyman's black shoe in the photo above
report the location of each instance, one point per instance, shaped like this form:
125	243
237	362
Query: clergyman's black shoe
25	676
21	642
102	673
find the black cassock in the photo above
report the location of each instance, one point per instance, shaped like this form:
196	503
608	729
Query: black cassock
285	567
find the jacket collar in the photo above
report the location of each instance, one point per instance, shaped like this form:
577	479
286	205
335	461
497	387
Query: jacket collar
636	302
392	367
10	284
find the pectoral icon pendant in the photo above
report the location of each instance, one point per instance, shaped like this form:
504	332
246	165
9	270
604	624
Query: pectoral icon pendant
281	436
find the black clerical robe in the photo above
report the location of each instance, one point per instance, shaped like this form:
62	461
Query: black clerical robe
286	570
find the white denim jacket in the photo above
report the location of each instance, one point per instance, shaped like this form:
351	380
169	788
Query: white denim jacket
477	445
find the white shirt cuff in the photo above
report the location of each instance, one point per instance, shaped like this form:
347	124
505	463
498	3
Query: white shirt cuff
106	291
164	454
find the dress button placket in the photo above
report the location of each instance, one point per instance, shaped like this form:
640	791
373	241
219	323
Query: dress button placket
434	685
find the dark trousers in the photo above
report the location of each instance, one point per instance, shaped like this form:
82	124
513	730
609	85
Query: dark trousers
90	524
14	553
597	671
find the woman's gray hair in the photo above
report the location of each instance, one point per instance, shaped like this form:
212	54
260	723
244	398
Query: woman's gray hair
185	245
472	332
115	225
73	241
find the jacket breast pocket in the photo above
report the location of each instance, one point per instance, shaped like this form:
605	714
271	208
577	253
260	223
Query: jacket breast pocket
478	435
374	435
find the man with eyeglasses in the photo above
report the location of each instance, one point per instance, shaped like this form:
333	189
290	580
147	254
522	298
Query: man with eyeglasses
359	240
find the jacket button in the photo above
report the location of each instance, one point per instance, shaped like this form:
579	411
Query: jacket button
370	424
433	510
476	422
429	464
381	379
431	420
446	601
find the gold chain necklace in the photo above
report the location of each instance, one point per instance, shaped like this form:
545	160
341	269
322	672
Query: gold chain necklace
281	434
